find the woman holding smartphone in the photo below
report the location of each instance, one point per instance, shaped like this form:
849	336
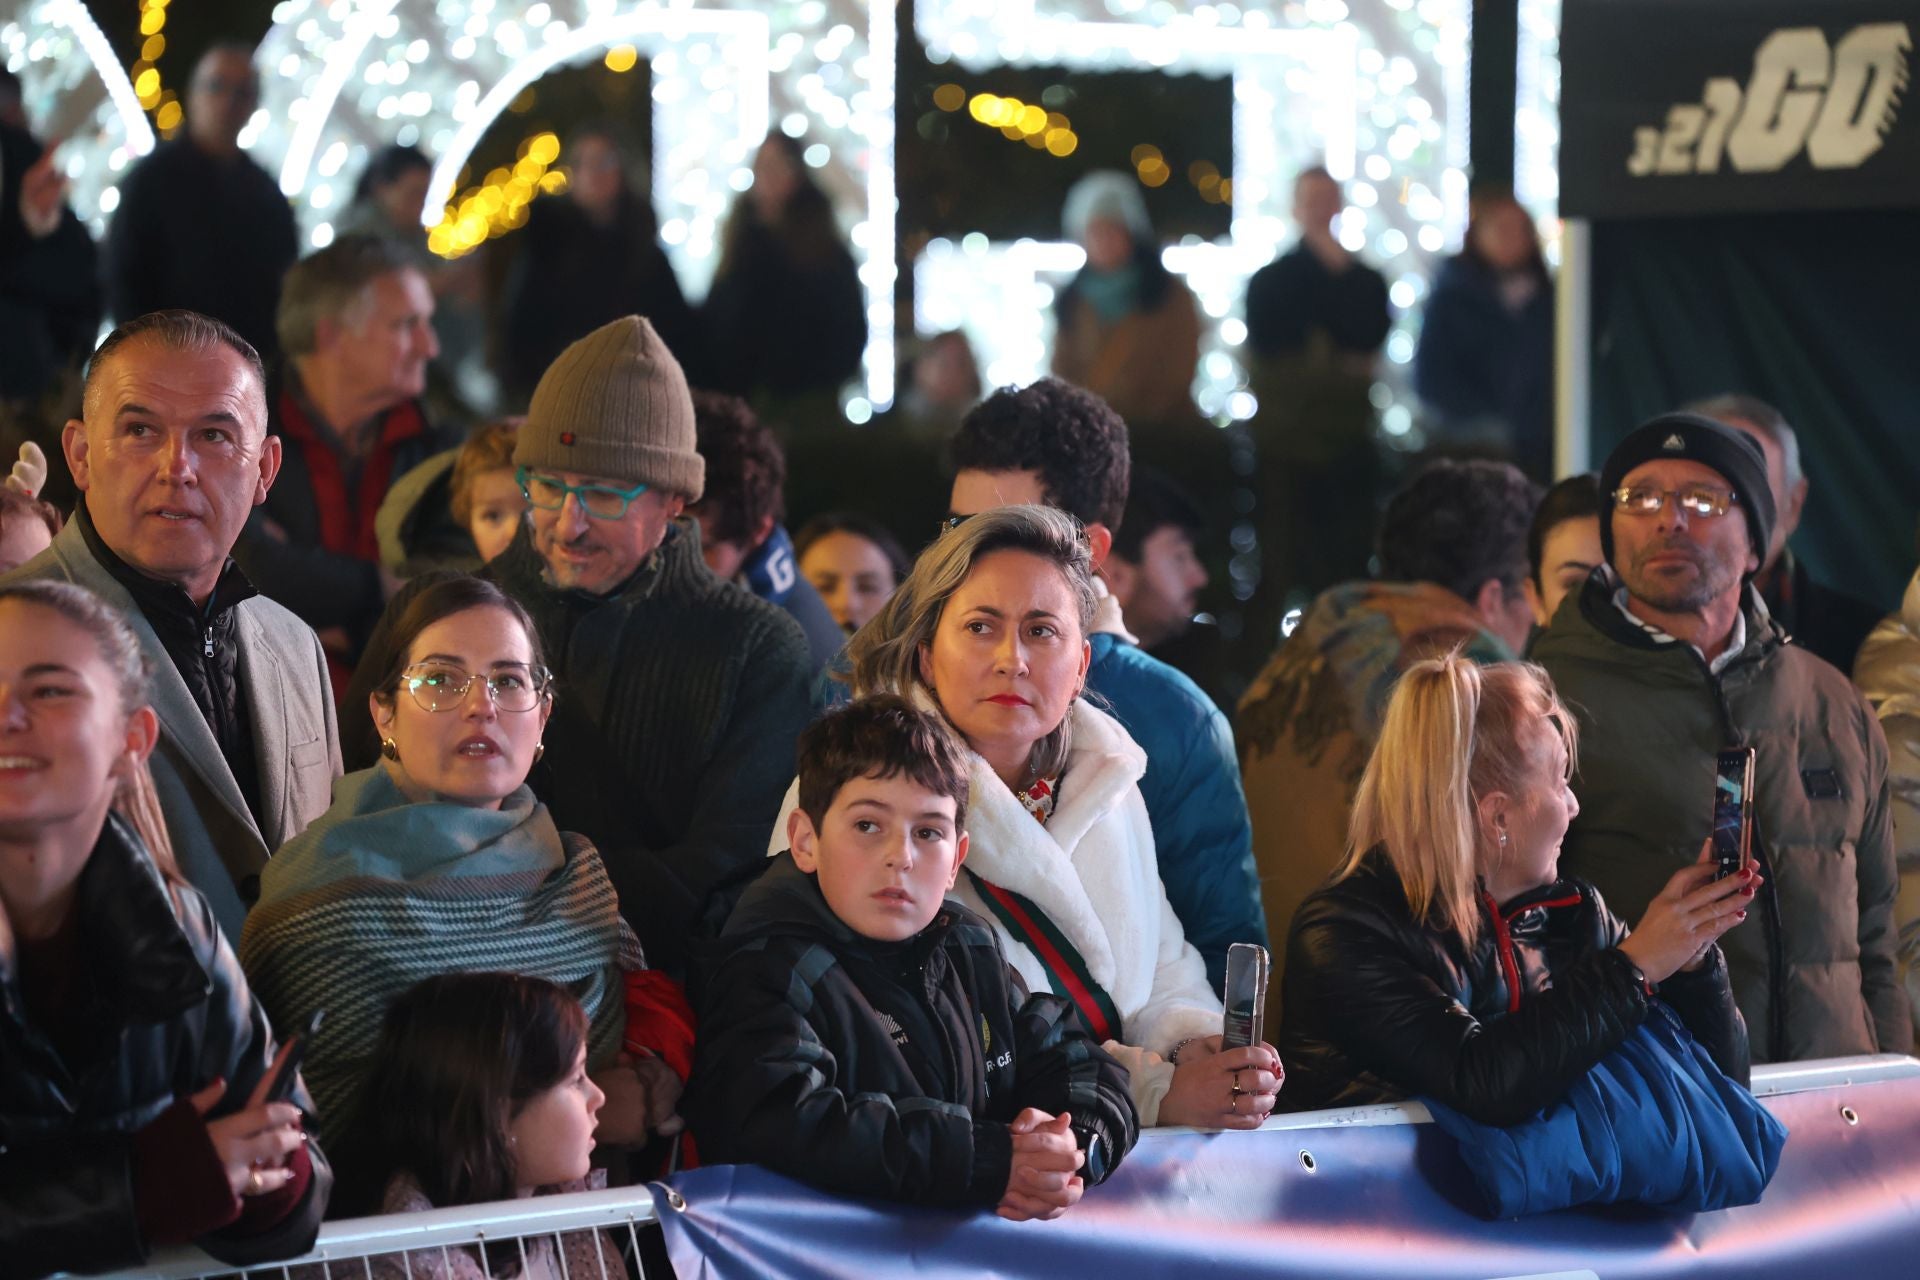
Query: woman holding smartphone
1447	958
134	1062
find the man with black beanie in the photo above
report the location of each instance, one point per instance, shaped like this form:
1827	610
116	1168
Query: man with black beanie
1670	658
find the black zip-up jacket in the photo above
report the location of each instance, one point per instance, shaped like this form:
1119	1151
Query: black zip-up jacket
173	1013
203	647
889	1070
1378	1007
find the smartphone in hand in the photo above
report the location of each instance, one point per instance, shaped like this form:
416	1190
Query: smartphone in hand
1732	811
281	1087
1245	996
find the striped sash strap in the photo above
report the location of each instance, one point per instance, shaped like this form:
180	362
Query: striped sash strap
1066	971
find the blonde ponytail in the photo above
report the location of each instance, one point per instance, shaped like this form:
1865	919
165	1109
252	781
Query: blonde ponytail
1454	731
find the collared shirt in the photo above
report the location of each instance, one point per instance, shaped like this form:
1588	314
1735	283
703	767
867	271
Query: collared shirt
1736	639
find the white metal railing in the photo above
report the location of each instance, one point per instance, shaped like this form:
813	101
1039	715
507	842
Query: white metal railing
347	1250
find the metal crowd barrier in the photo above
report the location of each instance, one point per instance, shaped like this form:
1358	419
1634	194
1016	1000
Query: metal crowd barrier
347	1250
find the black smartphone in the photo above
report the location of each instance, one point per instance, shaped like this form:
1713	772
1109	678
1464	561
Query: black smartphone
1732	810
1245	996
282	1086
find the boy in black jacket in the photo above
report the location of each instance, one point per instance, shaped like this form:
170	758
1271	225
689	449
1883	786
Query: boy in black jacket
862	1034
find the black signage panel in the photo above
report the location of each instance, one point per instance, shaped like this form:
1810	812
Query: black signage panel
1674	107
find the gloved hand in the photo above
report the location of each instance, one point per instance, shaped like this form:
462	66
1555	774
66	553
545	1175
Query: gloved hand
29	475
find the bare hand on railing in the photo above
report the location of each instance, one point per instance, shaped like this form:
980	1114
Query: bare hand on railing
1044	1181
253	1144
1689	915
1215	1090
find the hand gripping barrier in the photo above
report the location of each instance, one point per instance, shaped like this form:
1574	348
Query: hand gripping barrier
1372	1193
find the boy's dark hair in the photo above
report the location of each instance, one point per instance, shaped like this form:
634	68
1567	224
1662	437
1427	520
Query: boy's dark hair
880	736
746	469
459	1055
1458	524
1070	437
1154	501
1571	499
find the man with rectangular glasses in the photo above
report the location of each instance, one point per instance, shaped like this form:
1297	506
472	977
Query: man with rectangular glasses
1670	658
677	697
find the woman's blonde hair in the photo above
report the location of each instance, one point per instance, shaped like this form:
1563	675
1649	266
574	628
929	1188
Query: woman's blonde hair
885	653
1454	731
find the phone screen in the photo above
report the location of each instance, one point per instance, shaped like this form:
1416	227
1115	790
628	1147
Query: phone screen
1732	811
1245	996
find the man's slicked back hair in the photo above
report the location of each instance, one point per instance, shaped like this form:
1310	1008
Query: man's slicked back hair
1069	437
882	735
1458	524
176	330
328	284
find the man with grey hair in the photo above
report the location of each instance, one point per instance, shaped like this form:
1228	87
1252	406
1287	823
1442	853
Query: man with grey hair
170	454
356	327
200	225
1818	617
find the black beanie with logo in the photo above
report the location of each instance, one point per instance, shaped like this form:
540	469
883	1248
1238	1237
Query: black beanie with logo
1692	438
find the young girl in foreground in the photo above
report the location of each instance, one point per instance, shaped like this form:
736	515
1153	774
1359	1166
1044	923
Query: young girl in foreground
481	1093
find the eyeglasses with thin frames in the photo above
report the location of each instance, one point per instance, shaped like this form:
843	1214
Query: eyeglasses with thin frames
1703	501
440	686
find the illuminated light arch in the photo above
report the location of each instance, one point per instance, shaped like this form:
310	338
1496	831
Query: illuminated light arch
1386	80
343	77
104	134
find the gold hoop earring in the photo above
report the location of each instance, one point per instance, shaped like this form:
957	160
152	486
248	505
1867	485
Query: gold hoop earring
389	750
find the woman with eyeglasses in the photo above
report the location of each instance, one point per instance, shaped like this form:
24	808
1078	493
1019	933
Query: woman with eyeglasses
990	629
438	859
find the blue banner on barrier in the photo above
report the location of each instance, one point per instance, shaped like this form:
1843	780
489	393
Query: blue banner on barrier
1354	1194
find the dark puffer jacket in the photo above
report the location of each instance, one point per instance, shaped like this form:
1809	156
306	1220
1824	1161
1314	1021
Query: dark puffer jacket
1819	978
1379	1007
885	1069
173	1014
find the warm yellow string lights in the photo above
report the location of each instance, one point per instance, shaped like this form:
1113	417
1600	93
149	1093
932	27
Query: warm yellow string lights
161	102
499	203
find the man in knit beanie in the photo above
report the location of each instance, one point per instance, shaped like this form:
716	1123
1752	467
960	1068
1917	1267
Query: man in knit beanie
1671	658
678	697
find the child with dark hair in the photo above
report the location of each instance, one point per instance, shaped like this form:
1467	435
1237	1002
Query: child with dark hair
916	1068
481	1094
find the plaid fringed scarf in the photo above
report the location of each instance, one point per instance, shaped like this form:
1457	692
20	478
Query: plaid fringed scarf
380	893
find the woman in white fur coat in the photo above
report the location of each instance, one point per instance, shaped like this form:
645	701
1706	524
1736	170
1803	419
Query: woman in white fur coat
990	629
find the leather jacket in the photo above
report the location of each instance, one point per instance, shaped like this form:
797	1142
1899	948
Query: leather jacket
1379	1007
173	1012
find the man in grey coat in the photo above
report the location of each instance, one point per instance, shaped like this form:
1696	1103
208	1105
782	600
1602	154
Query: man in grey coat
171	454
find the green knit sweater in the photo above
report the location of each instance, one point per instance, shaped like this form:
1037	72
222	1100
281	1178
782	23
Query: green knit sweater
678	701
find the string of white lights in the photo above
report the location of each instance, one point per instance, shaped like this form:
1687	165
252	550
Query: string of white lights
1375	90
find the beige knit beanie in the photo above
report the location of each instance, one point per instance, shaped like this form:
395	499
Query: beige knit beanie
615	405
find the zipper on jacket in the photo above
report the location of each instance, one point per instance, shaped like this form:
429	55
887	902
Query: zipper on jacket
206	648
1503	939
